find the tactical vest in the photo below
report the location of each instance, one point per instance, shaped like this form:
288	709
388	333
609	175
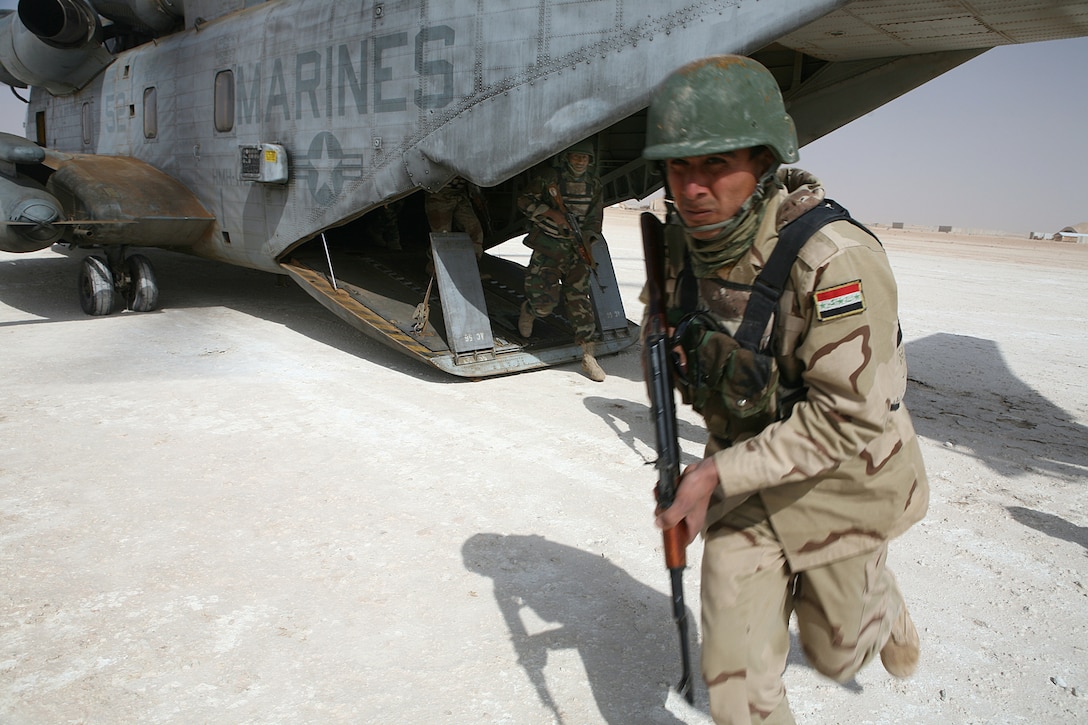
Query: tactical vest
577	196
725	330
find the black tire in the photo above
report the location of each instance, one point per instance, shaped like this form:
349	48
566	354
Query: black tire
142	294
95	286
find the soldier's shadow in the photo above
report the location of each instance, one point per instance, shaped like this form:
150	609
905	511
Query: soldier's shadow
1050	525
622	629
633	424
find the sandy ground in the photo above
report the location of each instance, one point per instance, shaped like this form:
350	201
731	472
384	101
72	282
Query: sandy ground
239	510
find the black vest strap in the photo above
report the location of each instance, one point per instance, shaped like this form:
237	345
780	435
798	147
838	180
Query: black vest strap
772	279
689	286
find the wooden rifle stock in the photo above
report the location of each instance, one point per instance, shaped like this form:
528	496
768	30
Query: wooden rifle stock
663	408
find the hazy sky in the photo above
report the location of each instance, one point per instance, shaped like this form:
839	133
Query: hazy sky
1000	143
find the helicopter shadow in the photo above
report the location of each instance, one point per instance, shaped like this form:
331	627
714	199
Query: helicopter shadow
46	287
961	391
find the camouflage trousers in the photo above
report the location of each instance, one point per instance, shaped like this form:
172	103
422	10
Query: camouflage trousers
445	208
557	269
845	613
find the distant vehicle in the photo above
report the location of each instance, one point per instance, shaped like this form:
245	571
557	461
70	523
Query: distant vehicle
277	135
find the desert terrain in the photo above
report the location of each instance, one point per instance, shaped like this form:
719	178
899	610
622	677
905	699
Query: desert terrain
240	510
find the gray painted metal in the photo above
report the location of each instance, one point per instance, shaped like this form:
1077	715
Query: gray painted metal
372	106
885	28
375	101
154	17
604	291
468	328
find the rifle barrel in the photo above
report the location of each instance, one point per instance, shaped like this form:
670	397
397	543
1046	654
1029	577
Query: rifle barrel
663	407
680	616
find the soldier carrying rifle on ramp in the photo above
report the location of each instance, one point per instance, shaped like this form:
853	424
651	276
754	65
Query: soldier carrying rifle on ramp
565	206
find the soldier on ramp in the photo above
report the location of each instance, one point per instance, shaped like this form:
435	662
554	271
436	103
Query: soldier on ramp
566	209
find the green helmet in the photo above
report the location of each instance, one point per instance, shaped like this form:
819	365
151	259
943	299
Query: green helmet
721	103
585	146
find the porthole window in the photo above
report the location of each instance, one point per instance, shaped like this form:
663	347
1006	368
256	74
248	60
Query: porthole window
151	113
39	127
87	124
224	100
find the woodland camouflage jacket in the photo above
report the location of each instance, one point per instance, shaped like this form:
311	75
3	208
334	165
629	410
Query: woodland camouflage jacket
553	187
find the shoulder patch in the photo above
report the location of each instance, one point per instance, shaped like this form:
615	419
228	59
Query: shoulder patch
839	301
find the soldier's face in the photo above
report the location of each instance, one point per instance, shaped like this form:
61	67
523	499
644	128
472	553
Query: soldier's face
711	189
578	163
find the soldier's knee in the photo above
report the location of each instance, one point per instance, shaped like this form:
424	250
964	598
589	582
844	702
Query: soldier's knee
836	663
830	667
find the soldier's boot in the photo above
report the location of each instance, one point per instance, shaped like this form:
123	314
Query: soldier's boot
591	367
900	652
525	320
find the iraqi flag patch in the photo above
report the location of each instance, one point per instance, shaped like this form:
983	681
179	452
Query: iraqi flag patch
841	301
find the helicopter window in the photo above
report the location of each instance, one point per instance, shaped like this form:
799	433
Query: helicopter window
224	100
151	113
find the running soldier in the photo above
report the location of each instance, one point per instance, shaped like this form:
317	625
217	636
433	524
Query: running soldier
812	464
560	264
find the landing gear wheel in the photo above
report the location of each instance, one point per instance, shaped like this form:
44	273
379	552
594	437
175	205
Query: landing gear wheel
95	286
142	294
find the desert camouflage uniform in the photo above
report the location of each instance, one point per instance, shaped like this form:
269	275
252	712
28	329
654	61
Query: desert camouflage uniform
807	503
556	264
453	204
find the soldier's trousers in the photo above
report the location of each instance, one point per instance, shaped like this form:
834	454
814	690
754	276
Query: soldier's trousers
445	209
845	613
556	268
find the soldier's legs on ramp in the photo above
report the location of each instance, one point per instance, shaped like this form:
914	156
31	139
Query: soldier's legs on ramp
542	284
466	219
525	320
590	366
580	310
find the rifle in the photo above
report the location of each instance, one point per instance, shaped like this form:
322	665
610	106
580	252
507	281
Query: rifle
585	251
663	407
531	656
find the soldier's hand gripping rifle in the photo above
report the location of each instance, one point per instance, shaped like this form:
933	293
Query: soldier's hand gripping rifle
656	367
585	250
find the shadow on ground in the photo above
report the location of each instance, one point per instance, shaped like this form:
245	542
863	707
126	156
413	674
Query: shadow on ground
633	423
1050	525
622	629
961	392
47	288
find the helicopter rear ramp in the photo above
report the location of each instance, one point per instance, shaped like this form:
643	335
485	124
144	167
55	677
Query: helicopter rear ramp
463	318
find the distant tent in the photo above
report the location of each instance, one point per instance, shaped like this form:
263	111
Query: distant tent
1077	233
